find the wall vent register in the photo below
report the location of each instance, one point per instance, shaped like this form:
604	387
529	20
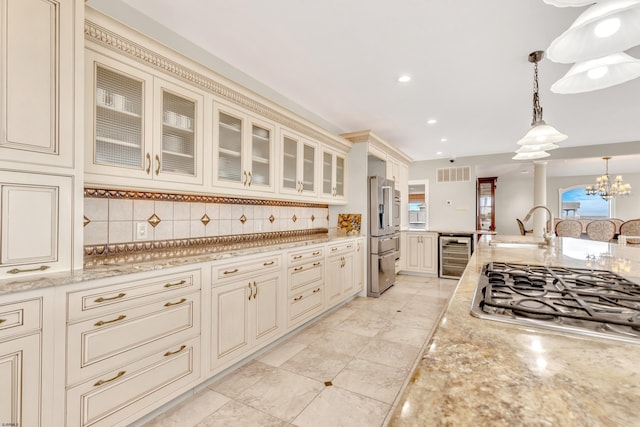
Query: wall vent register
597	303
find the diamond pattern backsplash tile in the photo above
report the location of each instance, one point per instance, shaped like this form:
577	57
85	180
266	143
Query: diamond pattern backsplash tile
243	219
154	220
205	219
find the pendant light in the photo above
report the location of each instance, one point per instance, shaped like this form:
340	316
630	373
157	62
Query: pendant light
607	27
569	3
598	73
541	137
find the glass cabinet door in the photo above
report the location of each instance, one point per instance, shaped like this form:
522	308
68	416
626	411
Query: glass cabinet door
261	167
290	164
340	173
327	173
119	125
486	204
230	130
178	135
309	168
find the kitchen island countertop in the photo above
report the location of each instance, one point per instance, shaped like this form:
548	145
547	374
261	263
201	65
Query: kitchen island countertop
483	372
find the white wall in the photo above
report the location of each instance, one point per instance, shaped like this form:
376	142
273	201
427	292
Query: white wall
514	198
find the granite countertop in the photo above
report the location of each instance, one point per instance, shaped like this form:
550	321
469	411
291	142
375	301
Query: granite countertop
117	265
482	372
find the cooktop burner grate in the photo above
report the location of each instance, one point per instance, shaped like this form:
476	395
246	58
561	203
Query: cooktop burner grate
589	302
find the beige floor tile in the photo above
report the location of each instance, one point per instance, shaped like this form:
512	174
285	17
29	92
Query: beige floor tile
235	414
366	323
336	407
415	320
313	362
242	378
190	411
389	353
404	334
282	394
310	334
342	342
373	380
280	354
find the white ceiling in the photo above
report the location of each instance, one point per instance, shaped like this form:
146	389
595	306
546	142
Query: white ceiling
339	59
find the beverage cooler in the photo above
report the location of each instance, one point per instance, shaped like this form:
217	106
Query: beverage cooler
455	251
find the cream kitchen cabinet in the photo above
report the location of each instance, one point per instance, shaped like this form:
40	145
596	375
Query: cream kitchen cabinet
246	308
421	252
333	175
305	285
244	150
299	165
36	223
132	344
37	87
140	126
340	282
359	265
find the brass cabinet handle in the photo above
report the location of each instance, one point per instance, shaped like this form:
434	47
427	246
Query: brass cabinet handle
297	257
118	375
103	299
298	298
334	249
316	253
2	320
250	291
148	163
298	268
245	178
169	304
235	270
250	179
350	245
169	353
315	264
268	263
17	270
181	282
316	290
158	163
255	295
104	322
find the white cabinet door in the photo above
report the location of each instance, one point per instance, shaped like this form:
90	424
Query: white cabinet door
413	253
333	284
333	176
266	308
429	263
244	150
298	166
347	278
37	84
230	318
359	266
421	252
20	385
36	223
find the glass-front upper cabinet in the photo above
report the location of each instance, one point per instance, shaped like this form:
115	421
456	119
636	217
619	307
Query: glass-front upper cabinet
244	150
141	126
298	164
333	175
486	204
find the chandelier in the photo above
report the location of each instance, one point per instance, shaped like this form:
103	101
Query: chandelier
541	137
606	189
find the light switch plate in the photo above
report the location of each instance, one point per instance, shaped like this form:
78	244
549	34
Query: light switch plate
142	230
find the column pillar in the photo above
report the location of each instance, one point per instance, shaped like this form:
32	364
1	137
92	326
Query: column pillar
540	216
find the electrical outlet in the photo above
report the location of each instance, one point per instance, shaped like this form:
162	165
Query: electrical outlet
141	230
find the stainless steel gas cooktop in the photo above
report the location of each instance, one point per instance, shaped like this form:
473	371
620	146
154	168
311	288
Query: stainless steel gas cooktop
595	303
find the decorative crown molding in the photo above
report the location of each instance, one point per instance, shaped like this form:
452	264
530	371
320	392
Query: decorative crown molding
113	41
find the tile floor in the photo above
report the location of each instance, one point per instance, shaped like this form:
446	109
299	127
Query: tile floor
347	369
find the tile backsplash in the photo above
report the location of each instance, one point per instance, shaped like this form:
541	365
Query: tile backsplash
124	220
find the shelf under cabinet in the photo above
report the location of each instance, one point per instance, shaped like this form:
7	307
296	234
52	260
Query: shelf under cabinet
118	110
174	153
177	128
228	152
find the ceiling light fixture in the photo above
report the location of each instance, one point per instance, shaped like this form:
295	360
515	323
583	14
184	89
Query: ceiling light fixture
569	3
608	190
404	79
541	137
606	27
443	140
432	121
598	74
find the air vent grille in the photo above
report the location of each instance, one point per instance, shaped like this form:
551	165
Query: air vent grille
457	174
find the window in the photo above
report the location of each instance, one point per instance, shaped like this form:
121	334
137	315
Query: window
574	203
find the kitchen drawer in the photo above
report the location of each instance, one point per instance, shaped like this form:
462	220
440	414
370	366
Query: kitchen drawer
305	305
305	274
124	394
20	317
104	343
338	248
298	257
239	269
106	299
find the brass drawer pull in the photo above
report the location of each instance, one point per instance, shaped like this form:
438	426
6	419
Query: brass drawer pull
118	375
17	270
103	299
298	298
349	246
148	163
250	291
298	268
169	304
316	253
2	320
268	263
181	282
334	249
316	290
315	264
104	322
235	270
297	257
169	353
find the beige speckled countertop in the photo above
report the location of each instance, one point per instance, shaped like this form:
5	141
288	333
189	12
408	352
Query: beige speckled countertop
477	372
117	265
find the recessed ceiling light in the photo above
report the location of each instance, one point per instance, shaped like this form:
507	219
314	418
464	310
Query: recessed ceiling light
443	140
432	121
439	153
404	78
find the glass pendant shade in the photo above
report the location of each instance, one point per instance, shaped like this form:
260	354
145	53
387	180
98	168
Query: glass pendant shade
604	28
598	73
542	133
569	3
534	148
531	156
